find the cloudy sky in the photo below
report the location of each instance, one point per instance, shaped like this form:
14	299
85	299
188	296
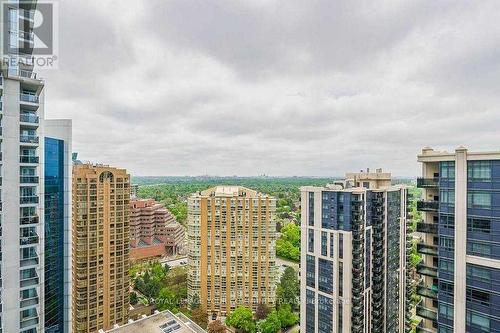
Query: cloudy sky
185	87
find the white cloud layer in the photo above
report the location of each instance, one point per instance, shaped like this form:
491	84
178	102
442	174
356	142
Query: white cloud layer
185	87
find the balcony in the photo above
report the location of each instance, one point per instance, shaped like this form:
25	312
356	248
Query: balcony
425	270
426	313
427	182
29	159
429	228
29	139
427	249
428	206
427	292
29	119
28	180
29	220
29	98
29	240
28	200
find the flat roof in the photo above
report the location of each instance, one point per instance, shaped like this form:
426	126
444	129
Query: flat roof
161	322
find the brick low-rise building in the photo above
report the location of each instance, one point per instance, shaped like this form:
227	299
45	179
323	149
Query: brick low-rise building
154	231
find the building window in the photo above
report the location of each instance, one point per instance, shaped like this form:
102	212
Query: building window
446	266
341	246
311	208
447	243
341	279
478	273
325	314
340	308
479	225
310	242
324	243
447	221
446	288
479	170
310	271
478	320
310	311
447	197
447	170
446	311
331	246
325	276
479	248
480	200
478	296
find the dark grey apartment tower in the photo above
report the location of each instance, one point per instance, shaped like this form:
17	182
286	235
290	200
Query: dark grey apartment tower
354	255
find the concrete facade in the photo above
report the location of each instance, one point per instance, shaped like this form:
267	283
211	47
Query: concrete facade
231	249
101	240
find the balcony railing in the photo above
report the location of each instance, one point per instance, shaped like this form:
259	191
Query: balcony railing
427	292
429	228
29	199
29	159
29	98
28	179
29	240
427	249
29	220
426	313
29	118
428	206
425	270
427	182
29	139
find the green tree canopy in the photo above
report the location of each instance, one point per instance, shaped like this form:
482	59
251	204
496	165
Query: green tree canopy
288	289
271	324
241	319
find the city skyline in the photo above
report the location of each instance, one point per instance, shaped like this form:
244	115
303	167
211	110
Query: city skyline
307	84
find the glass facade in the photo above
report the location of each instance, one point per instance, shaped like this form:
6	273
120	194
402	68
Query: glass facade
54	235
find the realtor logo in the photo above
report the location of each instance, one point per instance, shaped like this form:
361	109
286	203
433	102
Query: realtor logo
29	32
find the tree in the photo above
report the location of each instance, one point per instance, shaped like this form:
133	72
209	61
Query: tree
286	316
133	298
200	317
216	326
271	324
262	311
241	319
288	289
166	300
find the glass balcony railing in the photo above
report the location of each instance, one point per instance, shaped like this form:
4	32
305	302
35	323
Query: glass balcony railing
429	228
426	313
29	199
29	118
427	182
28	159
427	292
425	270
28	179
29	240
29	98
29	139
428	206
427	249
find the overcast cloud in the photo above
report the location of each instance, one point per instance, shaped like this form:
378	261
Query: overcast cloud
182	87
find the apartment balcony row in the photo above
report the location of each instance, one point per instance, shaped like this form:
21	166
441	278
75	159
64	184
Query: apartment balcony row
29	98
427	182
428	205
29	220
429	228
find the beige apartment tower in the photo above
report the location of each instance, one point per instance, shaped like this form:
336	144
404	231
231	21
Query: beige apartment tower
101	196
231	249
